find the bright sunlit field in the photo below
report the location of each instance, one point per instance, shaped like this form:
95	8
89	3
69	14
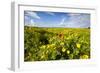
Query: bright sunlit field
43	44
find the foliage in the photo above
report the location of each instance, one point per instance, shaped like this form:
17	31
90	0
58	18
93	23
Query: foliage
42	44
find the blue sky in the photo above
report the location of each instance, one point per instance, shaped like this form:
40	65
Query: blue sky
56	19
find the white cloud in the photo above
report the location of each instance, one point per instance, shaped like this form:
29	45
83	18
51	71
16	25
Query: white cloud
33	14
29	18
50	13
62	23
78	20
32	21
74	14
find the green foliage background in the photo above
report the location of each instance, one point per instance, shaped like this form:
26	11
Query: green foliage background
42	44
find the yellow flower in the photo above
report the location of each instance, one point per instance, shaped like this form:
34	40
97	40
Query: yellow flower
52	45
47	52
43	46
84	57
78	45
63	49
42	56
62	43
68	52
48	46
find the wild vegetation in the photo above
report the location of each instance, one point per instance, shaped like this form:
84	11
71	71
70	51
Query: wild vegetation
42	44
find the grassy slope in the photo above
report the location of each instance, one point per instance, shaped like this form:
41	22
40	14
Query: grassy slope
71	36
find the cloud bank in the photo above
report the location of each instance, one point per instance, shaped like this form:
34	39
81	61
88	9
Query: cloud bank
70	20
76	20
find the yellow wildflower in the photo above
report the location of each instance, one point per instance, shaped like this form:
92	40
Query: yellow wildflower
68	52
43	46
84	57
48	46
47	52
78	45
62	43
52	45
42	56
63	49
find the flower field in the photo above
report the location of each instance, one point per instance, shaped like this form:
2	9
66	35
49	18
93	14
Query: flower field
43	44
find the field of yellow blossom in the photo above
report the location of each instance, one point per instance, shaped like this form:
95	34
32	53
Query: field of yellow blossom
43	44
